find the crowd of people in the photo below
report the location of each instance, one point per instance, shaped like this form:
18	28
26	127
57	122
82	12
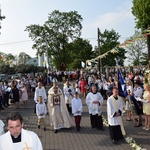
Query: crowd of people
90	85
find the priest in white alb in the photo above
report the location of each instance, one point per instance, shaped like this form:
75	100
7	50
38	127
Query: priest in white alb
68	90
114	112
18	138
40	91
59	116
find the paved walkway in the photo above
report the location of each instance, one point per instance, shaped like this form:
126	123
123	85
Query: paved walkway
86	139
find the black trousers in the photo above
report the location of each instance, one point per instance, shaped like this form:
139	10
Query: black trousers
138	107
115	132
69	108
96	121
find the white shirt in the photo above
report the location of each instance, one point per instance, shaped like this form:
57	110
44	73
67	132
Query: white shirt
130	88
40	92
68	95
76	106
94	108
41	109
138	92
111	109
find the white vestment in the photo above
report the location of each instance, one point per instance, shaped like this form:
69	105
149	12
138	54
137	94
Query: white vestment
29	141
68	92
76	106
94	108
1	127
59	116
41	109
77	88
111	110
40	92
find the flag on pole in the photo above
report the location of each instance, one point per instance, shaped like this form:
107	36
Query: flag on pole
82	64
121	85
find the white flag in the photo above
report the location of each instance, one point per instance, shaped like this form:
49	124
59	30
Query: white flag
82	64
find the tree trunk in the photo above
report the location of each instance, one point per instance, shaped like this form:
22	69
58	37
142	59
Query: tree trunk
148	46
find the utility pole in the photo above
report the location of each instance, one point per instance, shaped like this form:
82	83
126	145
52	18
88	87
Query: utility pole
48	64
99	52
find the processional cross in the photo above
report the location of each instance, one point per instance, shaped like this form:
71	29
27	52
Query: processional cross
27	147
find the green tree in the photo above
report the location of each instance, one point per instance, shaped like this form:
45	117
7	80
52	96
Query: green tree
144	58
54	36
135	51
10	58
23	58
141	11
108	41
81	51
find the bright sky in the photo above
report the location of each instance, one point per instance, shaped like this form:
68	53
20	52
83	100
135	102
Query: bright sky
102	14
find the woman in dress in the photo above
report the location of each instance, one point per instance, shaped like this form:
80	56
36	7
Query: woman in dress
28	86
83	85
16	96
146	106
24	95
129	100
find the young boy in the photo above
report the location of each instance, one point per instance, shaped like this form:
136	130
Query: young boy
41	111
77	109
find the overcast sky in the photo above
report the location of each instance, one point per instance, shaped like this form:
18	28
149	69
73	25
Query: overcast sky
103	14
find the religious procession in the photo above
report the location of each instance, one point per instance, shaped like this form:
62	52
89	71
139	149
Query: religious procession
77	80
59	105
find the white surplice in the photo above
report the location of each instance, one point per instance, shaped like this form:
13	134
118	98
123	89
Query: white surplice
111	110
68	95
29	141
41	109
76	106
94	108
40	92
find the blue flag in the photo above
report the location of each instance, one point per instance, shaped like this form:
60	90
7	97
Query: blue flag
121	85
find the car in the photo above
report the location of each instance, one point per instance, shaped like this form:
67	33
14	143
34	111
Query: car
3	77
15	76
38	73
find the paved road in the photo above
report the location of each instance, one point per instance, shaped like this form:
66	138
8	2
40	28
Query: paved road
86	139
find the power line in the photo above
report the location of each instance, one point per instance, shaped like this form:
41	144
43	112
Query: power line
121	16
118	17
16	42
